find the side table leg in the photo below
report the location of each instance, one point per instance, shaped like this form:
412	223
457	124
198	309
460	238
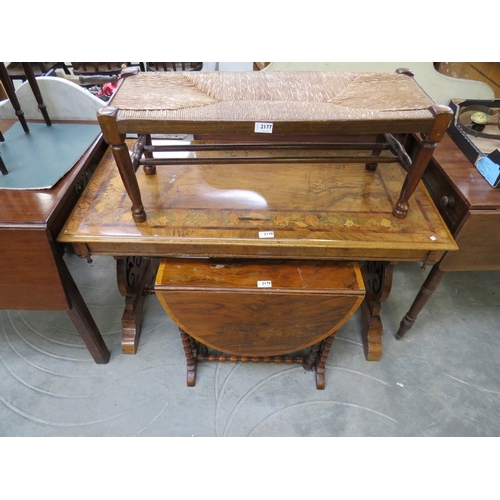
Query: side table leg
321	361
134	274
378	282
428	288
81	317
187	344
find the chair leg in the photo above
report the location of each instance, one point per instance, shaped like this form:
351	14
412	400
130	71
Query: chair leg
3	168
11	94
28	71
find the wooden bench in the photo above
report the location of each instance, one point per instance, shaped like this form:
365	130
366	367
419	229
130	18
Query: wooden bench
350	112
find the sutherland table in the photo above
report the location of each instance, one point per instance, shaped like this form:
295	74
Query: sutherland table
294	210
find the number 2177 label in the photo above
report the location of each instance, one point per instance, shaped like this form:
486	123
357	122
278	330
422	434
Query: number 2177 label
263	128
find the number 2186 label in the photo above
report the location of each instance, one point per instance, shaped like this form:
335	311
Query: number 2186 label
263	128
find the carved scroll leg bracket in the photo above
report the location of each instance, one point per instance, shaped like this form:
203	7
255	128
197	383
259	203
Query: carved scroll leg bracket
372	330
134	275
188	345
378	282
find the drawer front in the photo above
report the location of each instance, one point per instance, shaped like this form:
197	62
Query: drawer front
478	243
76	183
448	201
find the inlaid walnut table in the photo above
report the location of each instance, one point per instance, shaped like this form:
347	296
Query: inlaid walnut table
230	210
356	111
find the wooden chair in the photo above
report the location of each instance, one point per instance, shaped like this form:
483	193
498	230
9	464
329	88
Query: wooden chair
17	70
11	94
97	68
174	66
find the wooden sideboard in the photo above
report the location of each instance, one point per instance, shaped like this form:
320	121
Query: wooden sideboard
35	276
471	209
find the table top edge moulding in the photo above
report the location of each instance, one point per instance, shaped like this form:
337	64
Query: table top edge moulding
276	104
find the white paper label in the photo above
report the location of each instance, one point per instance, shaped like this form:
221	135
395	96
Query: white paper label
263	128
264	284
266	234
433	238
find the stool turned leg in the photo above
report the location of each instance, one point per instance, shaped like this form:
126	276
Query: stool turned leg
377	150
149	169
28	71
428	288
107	121
187	344
422	156
11	94
321	361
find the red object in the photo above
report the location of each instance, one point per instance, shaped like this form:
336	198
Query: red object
107	89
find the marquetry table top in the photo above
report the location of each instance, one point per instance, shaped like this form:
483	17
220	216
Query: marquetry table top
290	210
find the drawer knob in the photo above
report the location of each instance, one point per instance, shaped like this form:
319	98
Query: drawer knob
447	201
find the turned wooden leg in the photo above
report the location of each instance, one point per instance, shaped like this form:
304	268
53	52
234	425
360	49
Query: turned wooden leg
149	169
107	121
11	94
378	281
311	359
377	150
187	344
135	275
3	168
321	361
422	155
30	76
428	288
424	152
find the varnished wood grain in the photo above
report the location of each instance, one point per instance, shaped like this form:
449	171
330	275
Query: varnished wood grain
220	304
318	211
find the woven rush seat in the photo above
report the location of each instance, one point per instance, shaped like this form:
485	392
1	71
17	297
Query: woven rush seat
278	96
348	111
